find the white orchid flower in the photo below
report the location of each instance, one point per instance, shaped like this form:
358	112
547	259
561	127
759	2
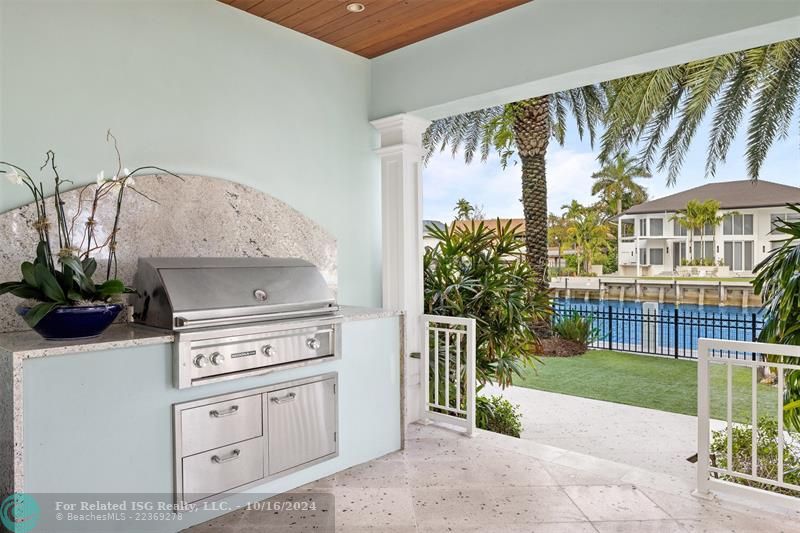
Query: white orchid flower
101	177
124	173
13	176
129	182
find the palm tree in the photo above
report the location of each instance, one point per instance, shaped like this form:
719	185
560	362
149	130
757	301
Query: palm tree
573	210
615	184
691	218
661	110
696	217
587	232
523	129
463	209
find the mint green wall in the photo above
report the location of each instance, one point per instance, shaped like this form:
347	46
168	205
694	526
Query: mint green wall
197	87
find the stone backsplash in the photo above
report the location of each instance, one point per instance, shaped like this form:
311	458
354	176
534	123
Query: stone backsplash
199	216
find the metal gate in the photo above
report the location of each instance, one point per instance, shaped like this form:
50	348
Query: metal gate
448	371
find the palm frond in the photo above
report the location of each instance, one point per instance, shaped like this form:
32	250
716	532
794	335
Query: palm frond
773	108
460	131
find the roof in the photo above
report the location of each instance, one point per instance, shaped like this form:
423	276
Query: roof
435	223
492	223
741	194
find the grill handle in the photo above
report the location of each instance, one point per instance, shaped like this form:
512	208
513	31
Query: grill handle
183	322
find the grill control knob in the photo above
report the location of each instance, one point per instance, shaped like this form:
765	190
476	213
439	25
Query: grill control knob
312	343
200	361
268	350
217	358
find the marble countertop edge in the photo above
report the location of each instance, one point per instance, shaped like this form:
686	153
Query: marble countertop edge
28	344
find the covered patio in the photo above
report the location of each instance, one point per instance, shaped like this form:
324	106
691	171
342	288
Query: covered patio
210	89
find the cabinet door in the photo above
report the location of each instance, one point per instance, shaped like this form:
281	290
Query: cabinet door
301	424
215	471
217	424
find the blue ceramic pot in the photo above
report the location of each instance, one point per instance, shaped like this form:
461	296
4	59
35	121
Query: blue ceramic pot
64	323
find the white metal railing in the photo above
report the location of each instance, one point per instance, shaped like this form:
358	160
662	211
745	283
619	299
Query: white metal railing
448	371
712	477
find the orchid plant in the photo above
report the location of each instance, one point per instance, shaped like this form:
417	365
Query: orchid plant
62	272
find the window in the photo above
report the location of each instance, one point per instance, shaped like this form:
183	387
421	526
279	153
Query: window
738	255
735	224
643	227
626	226
748	224
642	256
787	217
656	227
708	229
704	250
677	229
656	256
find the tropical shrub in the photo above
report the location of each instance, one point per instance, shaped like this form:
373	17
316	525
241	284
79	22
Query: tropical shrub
767	448
477	272
497	414
576	328
778	282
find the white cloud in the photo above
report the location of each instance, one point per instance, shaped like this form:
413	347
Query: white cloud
569	177
498	190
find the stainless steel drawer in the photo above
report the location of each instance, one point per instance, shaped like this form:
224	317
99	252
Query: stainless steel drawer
225	468
301	424
218	424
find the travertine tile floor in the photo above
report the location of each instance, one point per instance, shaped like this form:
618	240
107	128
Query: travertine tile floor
445	482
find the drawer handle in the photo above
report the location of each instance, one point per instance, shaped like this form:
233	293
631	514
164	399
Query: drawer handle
288	398
218	414
232	457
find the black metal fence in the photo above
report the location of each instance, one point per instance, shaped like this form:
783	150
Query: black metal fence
668	332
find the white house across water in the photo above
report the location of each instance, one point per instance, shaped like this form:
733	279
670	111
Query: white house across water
652	242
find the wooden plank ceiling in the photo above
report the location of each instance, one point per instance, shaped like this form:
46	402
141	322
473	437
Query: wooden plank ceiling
383	25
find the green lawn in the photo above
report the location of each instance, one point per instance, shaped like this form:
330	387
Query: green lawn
654	382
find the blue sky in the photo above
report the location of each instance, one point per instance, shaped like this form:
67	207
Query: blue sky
569	168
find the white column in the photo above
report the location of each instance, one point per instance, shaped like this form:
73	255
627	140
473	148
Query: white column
401	155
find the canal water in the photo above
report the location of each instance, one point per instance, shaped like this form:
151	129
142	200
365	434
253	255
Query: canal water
671	331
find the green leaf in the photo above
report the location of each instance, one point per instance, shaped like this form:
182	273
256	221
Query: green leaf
84	282
26	291
49	284
111	287
793	405
28	274
38	312
89	266
41	253
75	296
10	286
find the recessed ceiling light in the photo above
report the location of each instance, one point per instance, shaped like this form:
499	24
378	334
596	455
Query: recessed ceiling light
355	7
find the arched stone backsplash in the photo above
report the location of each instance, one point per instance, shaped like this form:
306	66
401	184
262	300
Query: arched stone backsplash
199	216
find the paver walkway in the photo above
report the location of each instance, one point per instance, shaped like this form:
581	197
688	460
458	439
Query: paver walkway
645	438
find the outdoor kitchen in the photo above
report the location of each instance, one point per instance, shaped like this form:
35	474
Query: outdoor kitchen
232	374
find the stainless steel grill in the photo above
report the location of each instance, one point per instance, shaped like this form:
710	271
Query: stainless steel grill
236	317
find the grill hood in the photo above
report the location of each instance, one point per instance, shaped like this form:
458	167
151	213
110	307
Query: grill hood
180	293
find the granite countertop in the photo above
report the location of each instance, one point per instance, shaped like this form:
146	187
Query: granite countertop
28	344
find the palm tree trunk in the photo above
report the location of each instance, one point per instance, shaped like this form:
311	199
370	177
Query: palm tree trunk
532	134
